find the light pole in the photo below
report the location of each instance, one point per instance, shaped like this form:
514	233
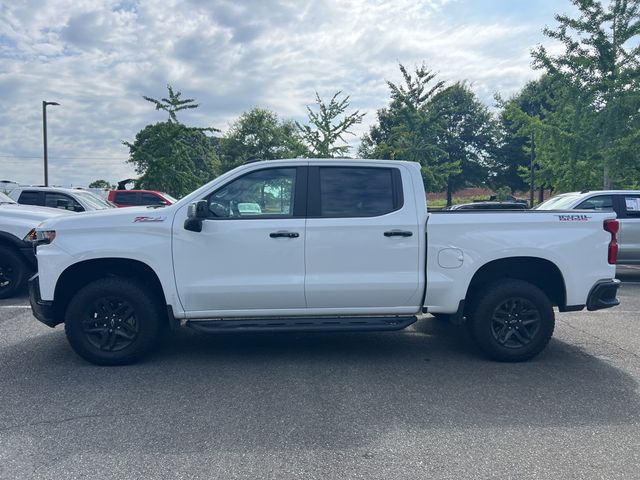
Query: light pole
44	135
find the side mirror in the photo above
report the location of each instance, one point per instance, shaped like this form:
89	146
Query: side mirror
195	214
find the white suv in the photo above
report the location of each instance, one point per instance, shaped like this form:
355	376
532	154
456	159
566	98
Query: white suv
71	199
626	204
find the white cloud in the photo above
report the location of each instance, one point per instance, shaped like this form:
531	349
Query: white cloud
97	58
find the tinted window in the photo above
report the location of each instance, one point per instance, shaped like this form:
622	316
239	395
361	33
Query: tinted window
601	202
30	198
125	198
357	192
60	200
262	193
150	199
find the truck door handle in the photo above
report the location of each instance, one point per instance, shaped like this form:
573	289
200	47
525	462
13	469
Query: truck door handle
284	235
398	233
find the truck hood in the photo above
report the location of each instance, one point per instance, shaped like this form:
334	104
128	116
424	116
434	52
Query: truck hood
30	214
116	217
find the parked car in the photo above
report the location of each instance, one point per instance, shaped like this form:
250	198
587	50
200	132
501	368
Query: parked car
72	199
625	203
7	185
132	198
17	258
337	245
490	206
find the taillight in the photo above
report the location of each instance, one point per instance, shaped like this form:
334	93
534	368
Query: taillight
612	226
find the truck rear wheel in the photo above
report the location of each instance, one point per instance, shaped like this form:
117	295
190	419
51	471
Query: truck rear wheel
113	321
512	320
13	272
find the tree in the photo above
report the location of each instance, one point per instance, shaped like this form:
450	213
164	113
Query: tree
172	104
465	132
260	134
325	129
170	156
405	129
601	59
517	134
103	184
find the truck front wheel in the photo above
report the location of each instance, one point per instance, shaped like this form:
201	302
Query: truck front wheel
113	321
512	320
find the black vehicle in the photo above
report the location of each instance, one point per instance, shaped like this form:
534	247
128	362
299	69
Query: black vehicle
490	206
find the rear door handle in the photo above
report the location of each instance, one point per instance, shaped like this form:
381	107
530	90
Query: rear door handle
284	235
398	233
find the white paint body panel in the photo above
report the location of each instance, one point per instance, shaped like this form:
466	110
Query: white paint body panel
579	250
351	264
337	266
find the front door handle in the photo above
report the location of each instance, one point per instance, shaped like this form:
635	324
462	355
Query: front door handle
284	235
398	233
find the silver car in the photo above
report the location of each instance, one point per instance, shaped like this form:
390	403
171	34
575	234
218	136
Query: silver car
626	204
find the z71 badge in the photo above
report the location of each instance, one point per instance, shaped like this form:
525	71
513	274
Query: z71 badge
149	219
573	218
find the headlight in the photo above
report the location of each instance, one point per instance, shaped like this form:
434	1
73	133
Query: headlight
40	237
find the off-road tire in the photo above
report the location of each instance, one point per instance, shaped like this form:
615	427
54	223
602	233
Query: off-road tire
114	321
511	320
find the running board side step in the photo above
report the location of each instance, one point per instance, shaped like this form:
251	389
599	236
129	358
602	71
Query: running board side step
322	324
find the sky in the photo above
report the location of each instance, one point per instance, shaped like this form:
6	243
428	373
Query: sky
97	58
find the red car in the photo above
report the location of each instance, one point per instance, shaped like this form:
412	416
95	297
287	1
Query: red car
131	198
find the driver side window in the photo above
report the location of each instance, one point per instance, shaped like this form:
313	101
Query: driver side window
263	193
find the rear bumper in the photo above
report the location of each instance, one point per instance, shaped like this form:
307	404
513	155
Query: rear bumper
603	295
43	310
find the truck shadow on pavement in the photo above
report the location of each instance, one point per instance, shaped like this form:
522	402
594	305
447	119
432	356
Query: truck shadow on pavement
267	392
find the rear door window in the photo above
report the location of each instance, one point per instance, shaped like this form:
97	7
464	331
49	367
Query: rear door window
359	191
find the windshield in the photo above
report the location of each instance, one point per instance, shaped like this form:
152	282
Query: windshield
94	201
560	202
5	199
169	197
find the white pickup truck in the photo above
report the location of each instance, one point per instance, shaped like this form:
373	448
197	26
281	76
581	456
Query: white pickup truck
334	245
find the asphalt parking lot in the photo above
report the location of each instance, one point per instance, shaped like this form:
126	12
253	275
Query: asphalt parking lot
419	403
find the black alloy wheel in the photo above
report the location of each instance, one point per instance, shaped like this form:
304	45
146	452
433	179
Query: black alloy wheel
511	320
111	324
114	321
515	322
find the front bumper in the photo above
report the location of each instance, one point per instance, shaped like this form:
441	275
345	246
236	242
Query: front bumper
603	295
43	310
